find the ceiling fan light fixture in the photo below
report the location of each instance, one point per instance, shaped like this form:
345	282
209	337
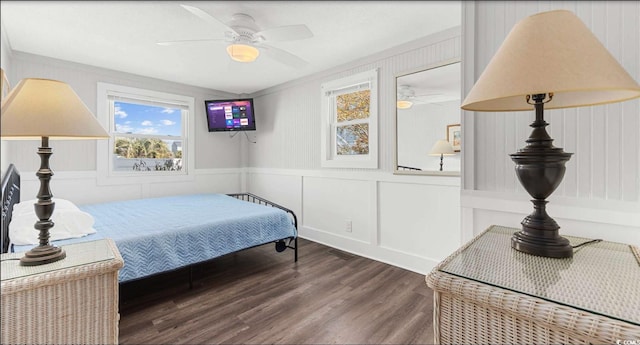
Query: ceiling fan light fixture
402	104
243	52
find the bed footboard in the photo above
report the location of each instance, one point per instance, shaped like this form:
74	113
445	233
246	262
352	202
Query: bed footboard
258	200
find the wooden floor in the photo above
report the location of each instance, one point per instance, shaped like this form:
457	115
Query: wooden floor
259	296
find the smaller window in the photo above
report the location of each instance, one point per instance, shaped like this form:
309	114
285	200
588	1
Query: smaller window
350	113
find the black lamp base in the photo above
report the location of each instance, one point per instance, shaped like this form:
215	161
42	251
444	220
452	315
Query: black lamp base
540	236
540	168
42	255
558	247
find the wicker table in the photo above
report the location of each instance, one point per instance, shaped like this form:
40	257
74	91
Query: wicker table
488	293
72	301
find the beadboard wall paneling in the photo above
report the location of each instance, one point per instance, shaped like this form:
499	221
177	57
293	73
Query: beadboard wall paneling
212	150
288	128
288	116
605	140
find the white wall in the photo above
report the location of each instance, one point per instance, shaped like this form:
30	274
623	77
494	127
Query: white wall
418	129
409	221
600	194
218	158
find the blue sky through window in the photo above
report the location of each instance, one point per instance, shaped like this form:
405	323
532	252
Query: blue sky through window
146	119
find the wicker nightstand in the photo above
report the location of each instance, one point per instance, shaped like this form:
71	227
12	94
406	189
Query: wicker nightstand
488	293
72	301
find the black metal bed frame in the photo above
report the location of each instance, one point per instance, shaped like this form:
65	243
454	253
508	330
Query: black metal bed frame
403	167
280	245
11	196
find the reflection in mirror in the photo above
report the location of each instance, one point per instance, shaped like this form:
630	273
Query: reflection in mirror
428	110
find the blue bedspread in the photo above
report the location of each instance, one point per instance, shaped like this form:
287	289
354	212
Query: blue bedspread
160	234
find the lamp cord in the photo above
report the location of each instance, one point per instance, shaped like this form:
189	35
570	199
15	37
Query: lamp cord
588	242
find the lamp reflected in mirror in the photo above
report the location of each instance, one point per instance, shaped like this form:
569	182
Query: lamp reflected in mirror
442	148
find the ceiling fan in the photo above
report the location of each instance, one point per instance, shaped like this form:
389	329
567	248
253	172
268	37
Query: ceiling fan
245	40
406	97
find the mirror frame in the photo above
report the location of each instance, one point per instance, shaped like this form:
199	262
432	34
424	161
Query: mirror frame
396	171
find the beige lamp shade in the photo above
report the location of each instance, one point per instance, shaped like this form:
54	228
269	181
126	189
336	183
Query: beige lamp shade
442	147
38	108
551	52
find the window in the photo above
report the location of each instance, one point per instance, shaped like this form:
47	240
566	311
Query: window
350	126
150	138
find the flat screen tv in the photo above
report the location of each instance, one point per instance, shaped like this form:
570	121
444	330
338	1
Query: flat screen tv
230	115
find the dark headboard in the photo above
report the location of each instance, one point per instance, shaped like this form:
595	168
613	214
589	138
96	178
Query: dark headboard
10	196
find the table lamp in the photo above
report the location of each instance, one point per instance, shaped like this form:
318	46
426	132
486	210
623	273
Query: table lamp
548	60
43	109
442	148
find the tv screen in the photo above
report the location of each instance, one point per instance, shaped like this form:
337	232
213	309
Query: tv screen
230	115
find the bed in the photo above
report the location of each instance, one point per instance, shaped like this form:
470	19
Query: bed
156	235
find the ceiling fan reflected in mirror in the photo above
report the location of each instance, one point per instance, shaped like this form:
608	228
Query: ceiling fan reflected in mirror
405	94
246	41
407	97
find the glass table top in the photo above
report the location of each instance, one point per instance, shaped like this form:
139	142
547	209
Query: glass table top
77	254
601	278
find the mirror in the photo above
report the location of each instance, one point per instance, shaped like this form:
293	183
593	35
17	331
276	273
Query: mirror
428	113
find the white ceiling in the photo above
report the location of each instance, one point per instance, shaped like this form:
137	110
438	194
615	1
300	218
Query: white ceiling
436	85
122	35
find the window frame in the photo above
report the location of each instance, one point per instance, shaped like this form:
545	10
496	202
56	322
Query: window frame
329	91
105	110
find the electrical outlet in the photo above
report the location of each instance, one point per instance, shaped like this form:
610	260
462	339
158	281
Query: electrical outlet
349	226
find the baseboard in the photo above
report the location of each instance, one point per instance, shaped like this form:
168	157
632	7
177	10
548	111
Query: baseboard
407	261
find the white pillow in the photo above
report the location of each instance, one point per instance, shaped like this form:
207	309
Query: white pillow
69	222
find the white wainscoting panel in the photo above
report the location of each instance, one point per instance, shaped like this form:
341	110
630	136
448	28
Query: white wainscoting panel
616	221
407	221
328	203
421	220
283	189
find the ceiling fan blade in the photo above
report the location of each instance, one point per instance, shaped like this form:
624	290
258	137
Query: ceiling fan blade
282	56
286	33
206	16
170	43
